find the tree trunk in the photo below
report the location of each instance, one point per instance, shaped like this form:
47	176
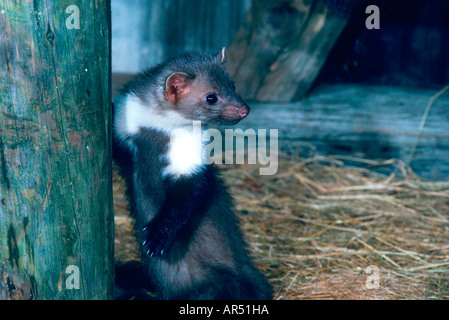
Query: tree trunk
56	219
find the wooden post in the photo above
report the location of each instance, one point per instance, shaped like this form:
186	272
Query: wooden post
56	219
280	48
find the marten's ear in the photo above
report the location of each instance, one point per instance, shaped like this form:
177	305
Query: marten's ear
221	56
176	86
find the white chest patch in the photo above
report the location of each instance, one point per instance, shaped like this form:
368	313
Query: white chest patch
133	114
185	153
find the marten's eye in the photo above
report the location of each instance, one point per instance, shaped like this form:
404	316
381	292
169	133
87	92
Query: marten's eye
211	99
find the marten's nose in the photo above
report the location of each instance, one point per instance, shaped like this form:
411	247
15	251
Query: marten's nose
243	111
235	112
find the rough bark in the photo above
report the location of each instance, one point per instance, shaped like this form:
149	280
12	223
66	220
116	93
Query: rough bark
55	153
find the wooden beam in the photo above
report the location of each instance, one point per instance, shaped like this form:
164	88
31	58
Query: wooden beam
56	215
281	47
371	122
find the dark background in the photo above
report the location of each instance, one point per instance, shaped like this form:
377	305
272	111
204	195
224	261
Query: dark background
410	49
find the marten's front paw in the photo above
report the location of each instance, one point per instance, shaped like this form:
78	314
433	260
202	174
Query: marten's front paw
156	239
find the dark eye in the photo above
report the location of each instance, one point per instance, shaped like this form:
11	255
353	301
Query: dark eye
211	99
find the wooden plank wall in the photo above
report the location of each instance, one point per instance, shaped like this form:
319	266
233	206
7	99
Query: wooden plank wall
147	32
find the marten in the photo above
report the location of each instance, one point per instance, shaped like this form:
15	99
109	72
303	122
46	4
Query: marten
191	243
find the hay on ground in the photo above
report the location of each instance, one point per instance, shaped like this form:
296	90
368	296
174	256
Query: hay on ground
320	230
